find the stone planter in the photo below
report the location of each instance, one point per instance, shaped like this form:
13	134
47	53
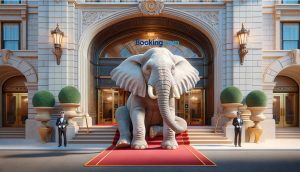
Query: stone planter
43	115
257	115
70	112
230	110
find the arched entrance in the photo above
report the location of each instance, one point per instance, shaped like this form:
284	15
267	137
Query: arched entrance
91	30
286	98
14	97
15	102
134	36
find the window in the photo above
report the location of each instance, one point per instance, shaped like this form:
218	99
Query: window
11	36
11	2
290	1
290	36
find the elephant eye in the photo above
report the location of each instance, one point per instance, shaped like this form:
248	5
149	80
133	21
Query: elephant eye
173	69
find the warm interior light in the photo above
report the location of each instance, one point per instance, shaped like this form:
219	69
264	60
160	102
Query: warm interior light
150	34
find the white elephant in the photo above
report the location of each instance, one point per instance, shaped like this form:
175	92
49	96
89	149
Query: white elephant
170	76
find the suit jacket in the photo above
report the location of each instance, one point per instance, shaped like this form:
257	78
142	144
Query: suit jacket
237	123
62	124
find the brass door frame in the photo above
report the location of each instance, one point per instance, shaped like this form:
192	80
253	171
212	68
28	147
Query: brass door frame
282	120
118	99
18	123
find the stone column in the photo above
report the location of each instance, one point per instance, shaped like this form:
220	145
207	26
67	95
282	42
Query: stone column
268	124
31	125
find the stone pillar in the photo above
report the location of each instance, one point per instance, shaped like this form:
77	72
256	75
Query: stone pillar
31	125
268	124
54	77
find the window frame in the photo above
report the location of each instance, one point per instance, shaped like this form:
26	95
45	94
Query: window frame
2	34
282	41
288	4
2	2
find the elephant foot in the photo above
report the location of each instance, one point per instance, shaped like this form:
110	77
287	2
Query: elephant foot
169	144
139	144
123	143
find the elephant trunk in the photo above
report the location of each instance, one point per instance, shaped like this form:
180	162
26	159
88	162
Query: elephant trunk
163	88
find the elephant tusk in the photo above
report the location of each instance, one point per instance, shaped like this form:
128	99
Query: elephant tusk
150	92
176	92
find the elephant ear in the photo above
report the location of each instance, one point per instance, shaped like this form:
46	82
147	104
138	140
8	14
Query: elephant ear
185	76
128	75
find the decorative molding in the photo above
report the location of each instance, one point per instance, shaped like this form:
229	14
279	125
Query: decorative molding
151	7
209	17
90	17
31	85
5	54
295	56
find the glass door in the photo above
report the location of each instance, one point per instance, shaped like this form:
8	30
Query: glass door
16	109
108	102
190	106
285	110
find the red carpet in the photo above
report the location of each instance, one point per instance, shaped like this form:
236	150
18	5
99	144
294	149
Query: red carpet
185	155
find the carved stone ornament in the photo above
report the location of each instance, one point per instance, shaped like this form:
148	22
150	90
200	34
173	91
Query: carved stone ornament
151	7
5	54
295	56
209	17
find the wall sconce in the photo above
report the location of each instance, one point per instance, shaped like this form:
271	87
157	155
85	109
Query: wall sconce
57	35
243	39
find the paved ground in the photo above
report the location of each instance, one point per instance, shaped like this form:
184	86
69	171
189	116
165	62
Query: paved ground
226	160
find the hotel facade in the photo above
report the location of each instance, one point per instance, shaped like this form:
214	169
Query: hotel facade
100	34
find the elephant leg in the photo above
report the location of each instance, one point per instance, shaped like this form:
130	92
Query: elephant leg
123	119
139	130
169	139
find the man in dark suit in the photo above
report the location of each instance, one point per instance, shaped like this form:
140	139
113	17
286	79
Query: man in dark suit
62	124
237	123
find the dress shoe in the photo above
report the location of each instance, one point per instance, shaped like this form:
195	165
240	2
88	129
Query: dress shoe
59	145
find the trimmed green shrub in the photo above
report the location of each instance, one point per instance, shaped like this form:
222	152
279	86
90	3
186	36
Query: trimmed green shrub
43	99
231	95
69	94
256	98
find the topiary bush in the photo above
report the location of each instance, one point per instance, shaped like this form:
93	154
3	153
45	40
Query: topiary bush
69	94
43	99
256	98
231	95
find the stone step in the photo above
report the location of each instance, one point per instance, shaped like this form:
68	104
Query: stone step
108	141
11	136
17	133
95	133
211	141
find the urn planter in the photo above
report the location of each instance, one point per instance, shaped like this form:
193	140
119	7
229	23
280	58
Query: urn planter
70	112
43	102
69	98
257	101
257	115
230	111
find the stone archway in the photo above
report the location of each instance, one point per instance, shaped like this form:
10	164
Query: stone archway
23	67
269	75
203	24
